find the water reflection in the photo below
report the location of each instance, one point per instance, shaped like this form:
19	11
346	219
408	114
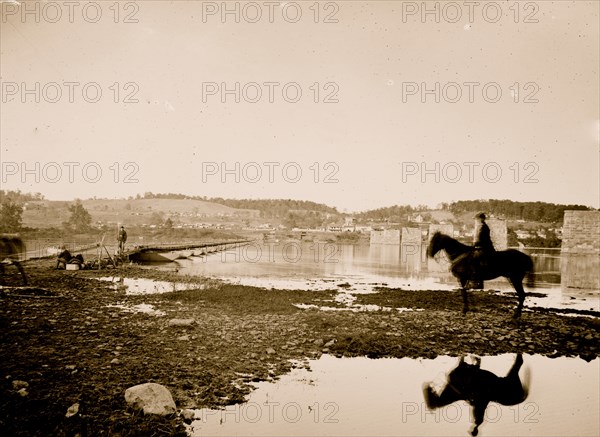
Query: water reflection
384	397
478	387
580	271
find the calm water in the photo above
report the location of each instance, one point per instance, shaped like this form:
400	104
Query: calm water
362	268
360	396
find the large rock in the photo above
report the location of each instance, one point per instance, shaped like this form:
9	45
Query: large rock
151	398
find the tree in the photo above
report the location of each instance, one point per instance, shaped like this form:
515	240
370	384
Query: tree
157	218
10	216
80	220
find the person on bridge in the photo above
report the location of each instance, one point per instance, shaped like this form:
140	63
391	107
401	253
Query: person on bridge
122	239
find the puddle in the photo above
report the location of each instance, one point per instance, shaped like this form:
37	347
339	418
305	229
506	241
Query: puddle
143	308
554	297
384	397
354	308
147	286
347	300
360	284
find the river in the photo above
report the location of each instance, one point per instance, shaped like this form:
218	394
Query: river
364	268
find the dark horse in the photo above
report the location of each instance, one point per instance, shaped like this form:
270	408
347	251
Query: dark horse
512	264
10	247
467	382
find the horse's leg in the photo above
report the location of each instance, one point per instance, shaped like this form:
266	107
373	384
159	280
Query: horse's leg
511	390
21	270
462	273
465	298
517	283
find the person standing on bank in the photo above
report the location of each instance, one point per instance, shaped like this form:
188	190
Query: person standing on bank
482	248
122	239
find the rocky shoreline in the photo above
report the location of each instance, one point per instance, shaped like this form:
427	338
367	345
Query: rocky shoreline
73	339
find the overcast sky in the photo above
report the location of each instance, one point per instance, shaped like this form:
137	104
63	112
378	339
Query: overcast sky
361	135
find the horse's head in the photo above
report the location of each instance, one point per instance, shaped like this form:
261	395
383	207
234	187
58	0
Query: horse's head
435	245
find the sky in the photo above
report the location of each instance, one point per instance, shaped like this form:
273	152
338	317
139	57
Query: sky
354	104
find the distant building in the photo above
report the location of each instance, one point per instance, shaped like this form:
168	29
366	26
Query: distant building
385	236
580	250
412	237
522	234
416	218
581	232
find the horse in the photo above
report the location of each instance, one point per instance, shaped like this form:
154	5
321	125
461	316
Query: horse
11	246
467	382
511	264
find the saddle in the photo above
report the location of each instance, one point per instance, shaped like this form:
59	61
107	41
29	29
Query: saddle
473	263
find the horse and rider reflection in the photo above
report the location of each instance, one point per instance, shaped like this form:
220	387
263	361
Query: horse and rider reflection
478	387
474	264
11	247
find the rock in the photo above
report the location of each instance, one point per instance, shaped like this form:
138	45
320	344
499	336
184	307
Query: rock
270	351
17	385
181	322
151	398
184	338
73	410
318	342
188	415
115	361
23	392
329	343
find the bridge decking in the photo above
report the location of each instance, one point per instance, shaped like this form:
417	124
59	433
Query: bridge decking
169	251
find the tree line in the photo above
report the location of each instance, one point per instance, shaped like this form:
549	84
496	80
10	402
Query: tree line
268	208
508	209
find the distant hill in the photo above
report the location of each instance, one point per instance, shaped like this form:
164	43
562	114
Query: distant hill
155	208
48	213
270	208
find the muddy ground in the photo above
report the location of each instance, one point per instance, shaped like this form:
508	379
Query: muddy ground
70	340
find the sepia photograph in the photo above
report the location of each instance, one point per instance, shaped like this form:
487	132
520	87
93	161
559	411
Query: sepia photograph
299	218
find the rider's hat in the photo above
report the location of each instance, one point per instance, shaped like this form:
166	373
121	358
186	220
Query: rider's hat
481	215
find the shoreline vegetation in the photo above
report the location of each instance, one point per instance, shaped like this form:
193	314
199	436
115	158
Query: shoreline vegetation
73	338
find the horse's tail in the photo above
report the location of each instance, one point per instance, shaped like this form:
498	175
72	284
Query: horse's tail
530	280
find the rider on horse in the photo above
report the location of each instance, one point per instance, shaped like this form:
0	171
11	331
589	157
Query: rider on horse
482	248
